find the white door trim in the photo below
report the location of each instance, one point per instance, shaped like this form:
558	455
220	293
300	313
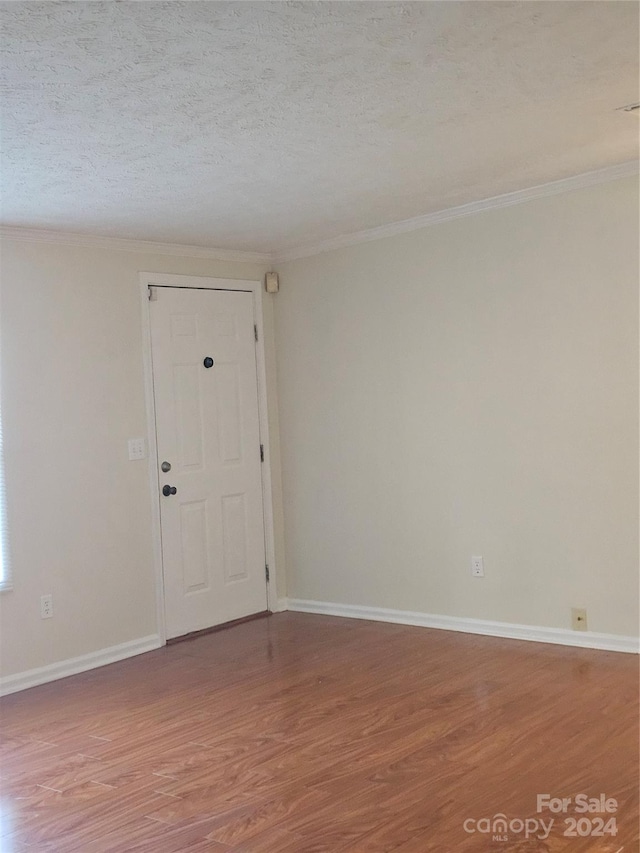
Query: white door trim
148	279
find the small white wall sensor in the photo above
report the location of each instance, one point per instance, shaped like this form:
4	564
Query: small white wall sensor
271	282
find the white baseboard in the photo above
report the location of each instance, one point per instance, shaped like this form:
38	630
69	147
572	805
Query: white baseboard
536	634
72	666
559	636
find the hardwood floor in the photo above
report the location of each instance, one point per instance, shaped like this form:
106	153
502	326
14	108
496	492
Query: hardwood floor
306	734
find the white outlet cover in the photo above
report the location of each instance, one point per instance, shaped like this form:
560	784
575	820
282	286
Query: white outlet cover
137	449
477	567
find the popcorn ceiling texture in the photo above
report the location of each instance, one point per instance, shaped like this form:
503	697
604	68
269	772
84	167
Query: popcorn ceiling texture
264	126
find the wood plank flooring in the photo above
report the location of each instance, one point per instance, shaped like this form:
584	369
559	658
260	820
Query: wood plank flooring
311	734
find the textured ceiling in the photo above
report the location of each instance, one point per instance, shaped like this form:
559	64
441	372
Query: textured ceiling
266	125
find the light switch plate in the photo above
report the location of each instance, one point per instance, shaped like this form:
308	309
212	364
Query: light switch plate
137	449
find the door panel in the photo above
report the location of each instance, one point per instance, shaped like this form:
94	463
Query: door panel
208	430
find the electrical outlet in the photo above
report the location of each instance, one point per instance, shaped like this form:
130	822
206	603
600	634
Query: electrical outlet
477	567
137	449
46	606
578	619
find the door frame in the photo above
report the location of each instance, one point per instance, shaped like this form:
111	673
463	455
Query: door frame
147	280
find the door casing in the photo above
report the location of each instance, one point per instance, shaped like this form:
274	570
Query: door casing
147	280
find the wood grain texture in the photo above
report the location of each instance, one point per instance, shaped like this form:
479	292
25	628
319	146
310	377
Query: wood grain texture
312	734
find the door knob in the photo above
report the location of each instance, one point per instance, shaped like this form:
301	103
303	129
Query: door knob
169	490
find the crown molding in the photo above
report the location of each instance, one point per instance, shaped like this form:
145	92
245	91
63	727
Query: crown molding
564	185
118	244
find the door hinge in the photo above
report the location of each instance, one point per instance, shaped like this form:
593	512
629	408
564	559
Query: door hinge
255	331
262	452
266	573
153	295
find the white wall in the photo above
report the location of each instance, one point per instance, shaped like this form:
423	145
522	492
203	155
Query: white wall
470	388
79	511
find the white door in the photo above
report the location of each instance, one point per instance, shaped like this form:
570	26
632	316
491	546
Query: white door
209	468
